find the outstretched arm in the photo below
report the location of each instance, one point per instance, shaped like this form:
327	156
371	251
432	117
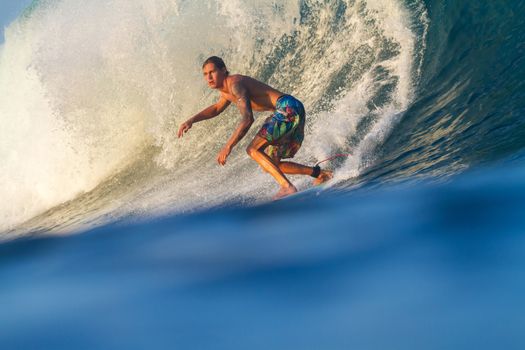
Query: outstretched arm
208	113
245	108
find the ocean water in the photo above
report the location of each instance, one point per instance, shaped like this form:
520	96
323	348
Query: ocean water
118	235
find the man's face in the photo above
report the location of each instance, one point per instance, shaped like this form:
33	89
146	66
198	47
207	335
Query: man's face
213	76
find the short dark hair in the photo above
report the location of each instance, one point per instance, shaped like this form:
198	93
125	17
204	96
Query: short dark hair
217	61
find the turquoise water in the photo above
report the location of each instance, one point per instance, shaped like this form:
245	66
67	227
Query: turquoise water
418	243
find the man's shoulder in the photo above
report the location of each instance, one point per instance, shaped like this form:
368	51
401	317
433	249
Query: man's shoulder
237	79
240	78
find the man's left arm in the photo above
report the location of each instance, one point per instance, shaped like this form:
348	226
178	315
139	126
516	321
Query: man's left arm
245	108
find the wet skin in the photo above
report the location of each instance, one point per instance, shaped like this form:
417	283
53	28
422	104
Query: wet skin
249	95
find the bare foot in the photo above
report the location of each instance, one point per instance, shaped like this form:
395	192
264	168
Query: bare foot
323	177
285	191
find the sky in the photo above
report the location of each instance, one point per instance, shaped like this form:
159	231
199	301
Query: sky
9	10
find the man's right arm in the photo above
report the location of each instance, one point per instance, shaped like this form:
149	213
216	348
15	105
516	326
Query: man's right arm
208	113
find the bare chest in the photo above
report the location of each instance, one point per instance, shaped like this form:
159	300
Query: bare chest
255	104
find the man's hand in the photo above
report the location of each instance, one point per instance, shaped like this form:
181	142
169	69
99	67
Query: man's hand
223	154
184	127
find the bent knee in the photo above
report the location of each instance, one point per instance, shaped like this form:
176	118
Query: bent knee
251	151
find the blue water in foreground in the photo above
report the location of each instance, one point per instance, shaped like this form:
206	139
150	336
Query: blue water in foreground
415	266
427	253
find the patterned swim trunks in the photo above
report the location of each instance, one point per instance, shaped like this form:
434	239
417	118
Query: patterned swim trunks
284	129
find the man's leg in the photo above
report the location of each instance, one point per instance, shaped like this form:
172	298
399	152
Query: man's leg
256	151
292	168
299	169
295	168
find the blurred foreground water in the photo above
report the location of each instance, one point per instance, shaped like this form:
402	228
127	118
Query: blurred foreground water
410	266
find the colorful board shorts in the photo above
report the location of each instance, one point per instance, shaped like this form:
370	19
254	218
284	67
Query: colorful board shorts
284	129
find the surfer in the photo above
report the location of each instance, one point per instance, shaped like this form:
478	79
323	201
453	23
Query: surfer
279	138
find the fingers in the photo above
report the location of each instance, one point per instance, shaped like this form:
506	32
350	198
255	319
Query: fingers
182	130
221	158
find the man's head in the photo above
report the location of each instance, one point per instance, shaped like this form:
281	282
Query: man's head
214	71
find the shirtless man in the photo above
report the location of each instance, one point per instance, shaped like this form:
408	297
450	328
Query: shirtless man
279	138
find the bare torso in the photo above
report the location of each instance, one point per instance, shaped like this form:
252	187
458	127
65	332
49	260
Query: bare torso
262	97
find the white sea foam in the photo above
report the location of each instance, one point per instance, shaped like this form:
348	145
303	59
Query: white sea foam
86	86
